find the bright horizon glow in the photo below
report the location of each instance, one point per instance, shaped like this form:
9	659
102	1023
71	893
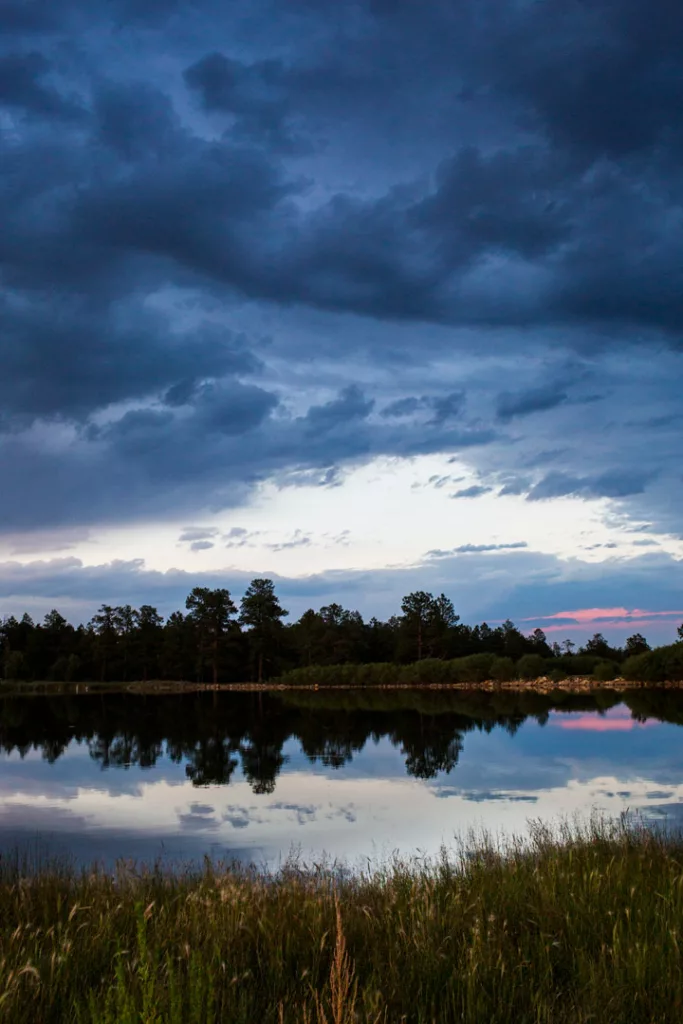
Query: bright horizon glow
367	522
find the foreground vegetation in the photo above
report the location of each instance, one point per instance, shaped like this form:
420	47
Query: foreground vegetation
576	926
664	664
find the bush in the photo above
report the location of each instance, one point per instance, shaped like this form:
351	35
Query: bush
557	675
664	664
503	670
577	664
15	666
531	666
604	671
475	668
430	670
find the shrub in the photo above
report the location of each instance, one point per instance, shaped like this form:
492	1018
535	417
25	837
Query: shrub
430	670
664	664
604	671
15	666
475	668
557	675
531	666
503	670
577	664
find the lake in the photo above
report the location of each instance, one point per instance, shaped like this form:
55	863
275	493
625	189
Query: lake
356	774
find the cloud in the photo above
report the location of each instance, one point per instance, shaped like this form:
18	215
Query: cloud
402	407
475	491
252	170
618	483
23	86
299	539
597	615
201	545
191	534
257	96
477	549
511	406
351	404
448	407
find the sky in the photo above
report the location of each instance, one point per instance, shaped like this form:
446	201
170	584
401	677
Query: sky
366	297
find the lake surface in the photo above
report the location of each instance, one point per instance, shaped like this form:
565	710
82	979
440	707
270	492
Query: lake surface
356	774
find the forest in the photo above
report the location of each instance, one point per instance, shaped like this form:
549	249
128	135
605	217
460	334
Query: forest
216	640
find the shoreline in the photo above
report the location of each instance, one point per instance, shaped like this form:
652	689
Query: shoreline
572	684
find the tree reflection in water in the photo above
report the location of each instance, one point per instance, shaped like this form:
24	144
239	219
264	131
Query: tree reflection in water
216	736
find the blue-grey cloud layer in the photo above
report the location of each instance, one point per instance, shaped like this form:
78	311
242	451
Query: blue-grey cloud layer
389	184
486	582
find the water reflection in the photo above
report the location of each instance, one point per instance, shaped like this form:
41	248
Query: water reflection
348	772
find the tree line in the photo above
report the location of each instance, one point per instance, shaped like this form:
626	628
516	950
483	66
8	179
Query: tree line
217	640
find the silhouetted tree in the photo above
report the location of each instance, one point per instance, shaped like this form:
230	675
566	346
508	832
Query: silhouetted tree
125	622
103	625
598	646
636	644
539	644
416	608
148	638
211	612
262	612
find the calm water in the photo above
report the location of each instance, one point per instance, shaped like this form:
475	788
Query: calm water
353	774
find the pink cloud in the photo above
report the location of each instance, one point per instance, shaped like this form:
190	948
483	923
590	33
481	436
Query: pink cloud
607	616
607	624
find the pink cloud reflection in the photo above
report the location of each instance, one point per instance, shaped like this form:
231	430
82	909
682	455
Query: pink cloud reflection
615	720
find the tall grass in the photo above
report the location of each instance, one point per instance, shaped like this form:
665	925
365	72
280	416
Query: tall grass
576	926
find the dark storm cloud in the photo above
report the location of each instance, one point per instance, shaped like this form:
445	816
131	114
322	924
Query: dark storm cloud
79	362
407	254
23	86
615	99
19	16
481	166
402	407
523	403
612	484
448	407
135	120
350	405
207	455
256	95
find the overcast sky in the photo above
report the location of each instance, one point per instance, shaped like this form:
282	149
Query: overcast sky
365	296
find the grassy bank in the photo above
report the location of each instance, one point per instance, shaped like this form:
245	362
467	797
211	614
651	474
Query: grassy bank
581	927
